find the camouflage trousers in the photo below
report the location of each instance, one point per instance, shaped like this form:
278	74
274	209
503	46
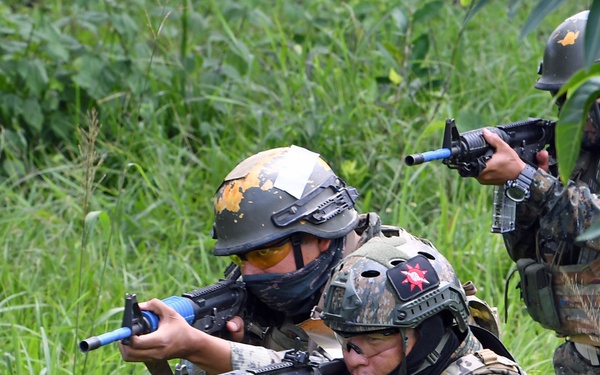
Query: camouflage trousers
568	361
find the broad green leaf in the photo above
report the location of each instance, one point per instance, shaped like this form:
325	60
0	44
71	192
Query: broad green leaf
32	113
34	75
395	77
591	233
420	48
11	105
392	53
14	168
570	124
24	24
427	11
90	70
592	35
578	79
9	47
124	25
56	43
536	16
400	19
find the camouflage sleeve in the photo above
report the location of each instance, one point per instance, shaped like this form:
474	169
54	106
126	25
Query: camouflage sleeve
556	211
244	356
520	243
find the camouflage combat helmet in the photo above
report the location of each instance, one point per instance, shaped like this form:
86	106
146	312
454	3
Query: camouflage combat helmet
564	53
276	193
392	282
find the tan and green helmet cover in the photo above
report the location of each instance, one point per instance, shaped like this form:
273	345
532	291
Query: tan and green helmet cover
276	193
392	282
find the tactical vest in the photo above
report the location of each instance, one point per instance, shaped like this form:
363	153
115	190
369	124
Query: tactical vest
483	362
565	297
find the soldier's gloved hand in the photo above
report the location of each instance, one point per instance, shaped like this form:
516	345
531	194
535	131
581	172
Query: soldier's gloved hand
236	328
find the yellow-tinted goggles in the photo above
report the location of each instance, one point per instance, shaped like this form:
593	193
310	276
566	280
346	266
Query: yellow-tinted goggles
266	257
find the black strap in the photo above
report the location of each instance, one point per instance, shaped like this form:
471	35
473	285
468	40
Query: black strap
490	341
297	246
159	367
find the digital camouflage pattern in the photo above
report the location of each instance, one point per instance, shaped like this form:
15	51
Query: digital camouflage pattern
566	212
483	362
568	361
557	215
360	297
244	356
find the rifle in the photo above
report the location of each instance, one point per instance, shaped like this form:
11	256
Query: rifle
468	153
207	309
296	362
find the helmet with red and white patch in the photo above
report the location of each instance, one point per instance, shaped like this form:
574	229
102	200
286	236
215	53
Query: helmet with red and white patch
393	282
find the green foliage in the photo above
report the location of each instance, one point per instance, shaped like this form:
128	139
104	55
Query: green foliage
573	117
184	91
571	122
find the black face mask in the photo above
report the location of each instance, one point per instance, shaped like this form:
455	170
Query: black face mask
431	333
295	293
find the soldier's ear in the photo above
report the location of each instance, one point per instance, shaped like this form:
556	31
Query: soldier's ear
323	244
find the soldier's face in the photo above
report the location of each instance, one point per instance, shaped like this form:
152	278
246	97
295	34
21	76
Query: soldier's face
312	247
376	355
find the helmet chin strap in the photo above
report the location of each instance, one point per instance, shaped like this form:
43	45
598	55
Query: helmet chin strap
404	337
297	246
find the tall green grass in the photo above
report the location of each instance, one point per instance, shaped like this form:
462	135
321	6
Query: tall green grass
222	80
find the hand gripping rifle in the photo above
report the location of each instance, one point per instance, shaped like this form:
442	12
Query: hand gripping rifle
296	362
469	151
207	309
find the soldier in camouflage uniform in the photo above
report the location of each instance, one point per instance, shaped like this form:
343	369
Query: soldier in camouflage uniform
560	276
286	220
397	307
